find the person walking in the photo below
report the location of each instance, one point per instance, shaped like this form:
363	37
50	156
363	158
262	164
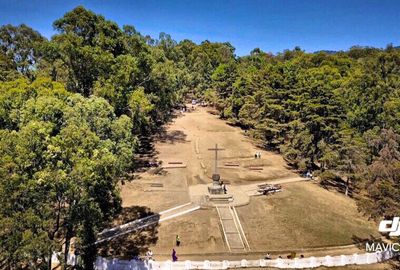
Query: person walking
174	257
178	241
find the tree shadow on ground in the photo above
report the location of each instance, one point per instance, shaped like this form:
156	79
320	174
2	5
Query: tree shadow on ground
171	137
132	243
361	242
146	155
337	184
132	213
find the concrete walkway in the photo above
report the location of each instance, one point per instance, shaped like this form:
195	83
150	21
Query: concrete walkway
232	229
241	193
152	220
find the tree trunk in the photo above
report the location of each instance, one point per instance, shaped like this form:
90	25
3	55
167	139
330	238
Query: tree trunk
50	258
90	250
347	186
67	244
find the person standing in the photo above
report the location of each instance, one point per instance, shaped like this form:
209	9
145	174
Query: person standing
149	255
178	241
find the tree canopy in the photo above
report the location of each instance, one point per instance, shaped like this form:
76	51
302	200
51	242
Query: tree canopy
75	108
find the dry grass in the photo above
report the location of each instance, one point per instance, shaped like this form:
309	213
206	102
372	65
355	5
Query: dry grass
199	233
303	215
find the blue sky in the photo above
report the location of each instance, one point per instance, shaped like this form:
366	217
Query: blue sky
272	25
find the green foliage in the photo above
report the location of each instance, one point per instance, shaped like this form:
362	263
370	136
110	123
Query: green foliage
19	48
324	112
63	151
383	176
72	110
59	152
140	108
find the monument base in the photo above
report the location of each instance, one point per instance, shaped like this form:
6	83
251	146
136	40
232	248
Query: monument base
216	189
219	198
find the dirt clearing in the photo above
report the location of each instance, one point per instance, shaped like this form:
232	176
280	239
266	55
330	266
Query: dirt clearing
301	216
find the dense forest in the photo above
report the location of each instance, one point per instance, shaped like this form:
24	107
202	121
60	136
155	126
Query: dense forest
74	110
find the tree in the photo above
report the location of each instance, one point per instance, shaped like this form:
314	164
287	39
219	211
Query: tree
7	69
20	45
62	156
140	109
87	44
383	193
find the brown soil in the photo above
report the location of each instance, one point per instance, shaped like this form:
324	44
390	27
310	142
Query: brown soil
303	215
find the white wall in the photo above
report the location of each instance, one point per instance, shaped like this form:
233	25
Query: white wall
366	258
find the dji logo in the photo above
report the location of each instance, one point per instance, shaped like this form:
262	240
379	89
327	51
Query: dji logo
390	226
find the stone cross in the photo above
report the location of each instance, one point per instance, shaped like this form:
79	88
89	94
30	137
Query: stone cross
216	149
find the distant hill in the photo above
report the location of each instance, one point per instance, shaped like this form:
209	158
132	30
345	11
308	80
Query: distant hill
335	52
327	51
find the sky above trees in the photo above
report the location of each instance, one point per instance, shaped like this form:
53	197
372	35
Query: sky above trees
270	25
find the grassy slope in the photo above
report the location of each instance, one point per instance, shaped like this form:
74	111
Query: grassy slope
303	215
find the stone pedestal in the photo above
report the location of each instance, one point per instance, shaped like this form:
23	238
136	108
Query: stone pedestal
216	187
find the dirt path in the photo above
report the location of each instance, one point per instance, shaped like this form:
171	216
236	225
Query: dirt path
186	142
204	130
183	151
270	223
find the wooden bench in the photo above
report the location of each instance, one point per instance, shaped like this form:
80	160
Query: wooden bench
256	168
230	164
